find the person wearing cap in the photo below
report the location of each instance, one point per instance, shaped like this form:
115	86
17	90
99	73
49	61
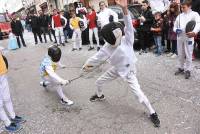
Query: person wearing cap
185	40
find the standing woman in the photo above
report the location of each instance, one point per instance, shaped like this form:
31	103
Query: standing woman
173	13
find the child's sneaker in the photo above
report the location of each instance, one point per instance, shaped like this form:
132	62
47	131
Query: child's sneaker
155	119
44	83
66	102
96	98
13	127
18	120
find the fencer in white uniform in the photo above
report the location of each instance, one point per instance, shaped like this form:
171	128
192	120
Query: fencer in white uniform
12	124
118	51
49	78
185	43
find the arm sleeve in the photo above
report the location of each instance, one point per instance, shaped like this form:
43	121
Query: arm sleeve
129	30
115	16
52	23
197	27
70	24
52	74
64	19
21	27
98	58
176	24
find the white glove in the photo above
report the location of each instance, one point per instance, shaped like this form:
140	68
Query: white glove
64	82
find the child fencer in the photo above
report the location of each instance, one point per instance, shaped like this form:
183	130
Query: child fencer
12	124
48	75
185	41
118	51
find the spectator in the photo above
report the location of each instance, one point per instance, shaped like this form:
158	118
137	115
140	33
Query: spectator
57	25
146	21
91	17
157	32
173	13
104	14
12	43
74	25
28	21
185	41
52	30
67	27
35	25
17	29
44	22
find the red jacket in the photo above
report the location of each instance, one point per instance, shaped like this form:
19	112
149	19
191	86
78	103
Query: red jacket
57	21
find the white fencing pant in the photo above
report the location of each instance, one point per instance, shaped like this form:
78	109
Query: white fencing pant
59	34
54	84
185	47
95	31
5	100
76	37
131	79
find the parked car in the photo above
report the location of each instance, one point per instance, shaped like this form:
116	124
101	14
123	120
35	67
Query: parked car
4	26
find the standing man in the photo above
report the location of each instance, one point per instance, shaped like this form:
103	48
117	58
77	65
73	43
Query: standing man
105	14
35	25
146	21
92	18
58	27
44	21
17	29
185	41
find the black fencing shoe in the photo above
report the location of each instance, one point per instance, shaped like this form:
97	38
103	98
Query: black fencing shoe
187	74
74	49
179	71
91	48
96	98
98	48
155	120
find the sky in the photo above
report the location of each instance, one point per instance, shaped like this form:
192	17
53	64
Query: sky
10	5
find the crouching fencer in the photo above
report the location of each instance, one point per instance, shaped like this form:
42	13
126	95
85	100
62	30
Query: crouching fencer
49	77
118	51
185	37
12	124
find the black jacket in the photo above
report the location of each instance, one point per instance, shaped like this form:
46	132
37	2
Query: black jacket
16	27
44	20
196	5
34	21
149	20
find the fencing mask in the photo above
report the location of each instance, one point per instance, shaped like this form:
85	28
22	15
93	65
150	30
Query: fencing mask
55	53
112	33
190	26
5	60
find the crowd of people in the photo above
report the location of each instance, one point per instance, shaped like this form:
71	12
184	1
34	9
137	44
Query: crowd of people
170	27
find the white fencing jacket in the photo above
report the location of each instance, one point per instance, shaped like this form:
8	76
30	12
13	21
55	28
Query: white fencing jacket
122	58
182	20
103	16
159	5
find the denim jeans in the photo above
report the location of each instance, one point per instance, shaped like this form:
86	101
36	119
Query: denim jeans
158	43
65	34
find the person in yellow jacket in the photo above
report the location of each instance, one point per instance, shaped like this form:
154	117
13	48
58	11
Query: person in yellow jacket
12	124
76	37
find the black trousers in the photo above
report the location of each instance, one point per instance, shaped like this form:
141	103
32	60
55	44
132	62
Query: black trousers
22	39
36	32
144	39
44	31
54	36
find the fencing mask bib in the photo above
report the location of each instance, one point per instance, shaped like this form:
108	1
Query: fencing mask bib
55	53
112	33
190	26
